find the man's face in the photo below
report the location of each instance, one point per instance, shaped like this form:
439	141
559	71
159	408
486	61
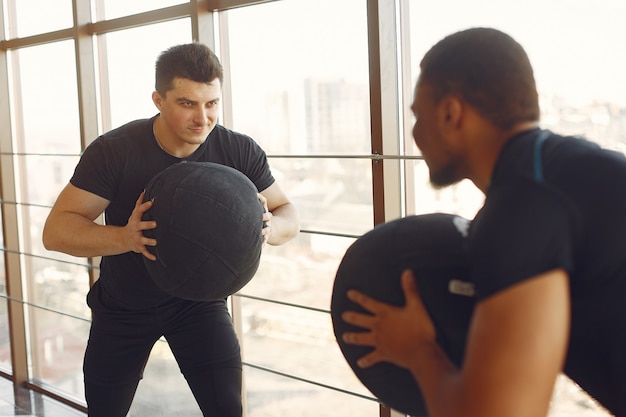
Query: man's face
443	163
189	109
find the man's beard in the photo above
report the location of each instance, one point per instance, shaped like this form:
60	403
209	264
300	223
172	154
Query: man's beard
444	177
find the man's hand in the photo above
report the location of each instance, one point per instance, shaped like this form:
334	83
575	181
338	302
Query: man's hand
267	219
395	333
133	231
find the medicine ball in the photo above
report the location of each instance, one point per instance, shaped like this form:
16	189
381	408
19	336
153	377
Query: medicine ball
433	246
209	221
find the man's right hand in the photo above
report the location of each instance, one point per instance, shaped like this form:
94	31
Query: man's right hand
133	230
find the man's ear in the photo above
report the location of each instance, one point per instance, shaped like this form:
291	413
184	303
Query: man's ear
157	99
452	108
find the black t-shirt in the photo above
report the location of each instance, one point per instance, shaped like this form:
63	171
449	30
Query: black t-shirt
560	202
118	165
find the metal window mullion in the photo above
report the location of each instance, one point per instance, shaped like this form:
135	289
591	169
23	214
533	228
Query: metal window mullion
391	113
86	86
385	110
202	24
140	19
39	39
375	90
215	5
10	216
86	73
407	85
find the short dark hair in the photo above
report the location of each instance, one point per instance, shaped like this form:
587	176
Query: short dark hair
489	70
193	61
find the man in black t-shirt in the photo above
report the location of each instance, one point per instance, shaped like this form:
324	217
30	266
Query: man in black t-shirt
547	249
130	312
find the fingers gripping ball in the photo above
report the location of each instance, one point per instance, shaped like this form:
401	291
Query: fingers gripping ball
433	246
209	222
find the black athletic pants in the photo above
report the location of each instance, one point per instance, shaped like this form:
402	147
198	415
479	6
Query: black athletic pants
201	336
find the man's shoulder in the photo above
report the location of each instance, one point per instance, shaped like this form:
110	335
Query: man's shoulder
222	132
133	128
123	138
227	139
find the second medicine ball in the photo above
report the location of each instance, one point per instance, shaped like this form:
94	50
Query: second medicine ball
434	247
209	222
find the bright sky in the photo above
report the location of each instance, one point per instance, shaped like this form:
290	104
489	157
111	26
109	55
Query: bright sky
575	45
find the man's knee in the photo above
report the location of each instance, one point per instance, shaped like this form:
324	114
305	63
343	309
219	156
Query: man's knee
218	391
107	400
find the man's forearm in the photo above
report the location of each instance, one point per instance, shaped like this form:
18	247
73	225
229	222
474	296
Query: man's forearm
285	224
439	381
77	236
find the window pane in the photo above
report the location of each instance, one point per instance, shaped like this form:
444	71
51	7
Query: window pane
41	16
299	88
463	199
582	95
269	394
302	272
48	174
111	9
130	58
332	194
58	323
3	278
298	341
579	72
60	286
33	218
163	391
49	98
5	343
57	347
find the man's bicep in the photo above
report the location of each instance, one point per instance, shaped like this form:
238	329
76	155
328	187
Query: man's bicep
517	345
78	201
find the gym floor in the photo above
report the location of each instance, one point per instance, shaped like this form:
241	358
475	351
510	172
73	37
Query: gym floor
27	403
569	401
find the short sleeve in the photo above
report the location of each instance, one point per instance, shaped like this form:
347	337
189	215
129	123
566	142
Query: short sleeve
95	171
523	230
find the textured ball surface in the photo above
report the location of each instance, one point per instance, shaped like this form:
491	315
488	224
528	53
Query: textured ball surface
209	222
433	246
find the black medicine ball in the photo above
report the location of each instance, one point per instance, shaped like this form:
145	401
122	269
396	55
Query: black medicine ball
209	222
433	246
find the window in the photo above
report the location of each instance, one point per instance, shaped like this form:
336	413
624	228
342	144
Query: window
54	291
34	16
127	58
302	93
112	9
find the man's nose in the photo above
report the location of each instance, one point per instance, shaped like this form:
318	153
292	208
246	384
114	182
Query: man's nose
201	117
